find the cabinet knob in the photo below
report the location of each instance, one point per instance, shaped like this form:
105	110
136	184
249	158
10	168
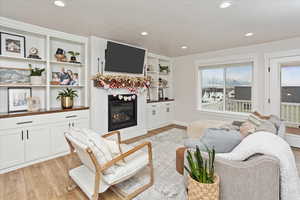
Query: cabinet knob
168	110
27	122
71	116
22	135
27	134
153	112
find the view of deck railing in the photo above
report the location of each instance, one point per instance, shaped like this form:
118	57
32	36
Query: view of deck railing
290	112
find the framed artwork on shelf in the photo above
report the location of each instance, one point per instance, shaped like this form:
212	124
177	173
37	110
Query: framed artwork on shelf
18	99
65	77
12	45
9	75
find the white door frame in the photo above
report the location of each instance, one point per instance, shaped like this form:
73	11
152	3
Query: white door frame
273	62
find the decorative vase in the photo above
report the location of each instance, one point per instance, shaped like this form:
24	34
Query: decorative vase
203	191
67	102
36	80
73	59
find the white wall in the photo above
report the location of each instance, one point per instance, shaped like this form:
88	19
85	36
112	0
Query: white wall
185	79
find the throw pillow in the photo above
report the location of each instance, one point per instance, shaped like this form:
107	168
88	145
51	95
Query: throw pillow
267	126
221	139
247	128
254	119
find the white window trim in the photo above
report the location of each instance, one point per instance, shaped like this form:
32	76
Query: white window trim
235	59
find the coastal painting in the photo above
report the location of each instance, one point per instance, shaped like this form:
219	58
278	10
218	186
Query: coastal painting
14	76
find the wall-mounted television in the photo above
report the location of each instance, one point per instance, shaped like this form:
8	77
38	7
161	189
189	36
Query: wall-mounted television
124	59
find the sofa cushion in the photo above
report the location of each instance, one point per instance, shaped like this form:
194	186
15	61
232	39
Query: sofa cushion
221	139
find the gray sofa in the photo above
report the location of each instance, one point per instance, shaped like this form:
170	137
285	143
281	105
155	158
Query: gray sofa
257	178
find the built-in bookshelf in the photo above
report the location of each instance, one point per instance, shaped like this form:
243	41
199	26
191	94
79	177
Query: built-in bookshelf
154	71
47	42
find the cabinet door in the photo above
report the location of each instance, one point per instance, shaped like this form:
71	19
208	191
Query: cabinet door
11	148
81	123
58	141
152	116
37	143
169	112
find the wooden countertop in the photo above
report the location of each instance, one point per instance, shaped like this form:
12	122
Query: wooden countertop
157	101
40	112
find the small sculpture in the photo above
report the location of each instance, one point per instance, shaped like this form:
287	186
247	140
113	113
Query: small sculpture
73	58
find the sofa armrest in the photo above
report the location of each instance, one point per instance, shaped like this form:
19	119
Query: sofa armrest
255	179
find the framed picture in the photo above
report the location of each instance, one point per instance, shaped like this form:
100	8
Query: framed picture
65	77
12	45
10	75
18	99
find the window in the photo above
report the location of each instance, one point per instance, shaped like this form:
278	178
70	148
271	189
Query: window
227	87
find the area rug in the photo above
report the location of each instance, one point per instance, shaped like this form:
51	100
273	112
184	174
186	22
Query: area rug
168	184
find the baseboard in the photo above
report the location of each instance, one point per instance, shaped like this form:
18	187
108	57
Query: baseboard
5	170
185	124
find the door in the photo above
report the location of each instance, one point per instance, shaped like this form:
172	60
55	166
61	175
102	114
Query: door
37	143
285	89
11	148
58	141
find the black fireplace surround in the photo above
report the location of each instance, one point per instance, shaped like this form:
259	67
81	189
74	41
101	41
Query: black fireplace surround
121	113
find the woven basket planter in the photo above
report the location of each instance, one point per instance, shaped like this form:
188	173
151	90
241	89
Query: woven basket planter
201	191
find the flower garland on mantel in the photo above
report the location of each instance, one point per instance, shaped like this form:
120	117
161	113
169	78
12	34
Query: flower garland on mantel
132	84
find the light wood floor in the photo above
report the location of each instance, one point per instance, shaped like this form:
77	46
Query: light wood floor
48	180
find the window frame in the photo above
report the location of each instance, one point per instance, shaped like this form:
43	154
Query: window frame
224	63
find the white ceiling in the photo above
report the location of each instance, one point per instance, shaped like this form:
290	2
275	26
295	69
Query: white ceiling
199	24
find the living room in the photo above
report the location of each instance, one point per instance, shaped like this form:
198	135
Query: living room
130	100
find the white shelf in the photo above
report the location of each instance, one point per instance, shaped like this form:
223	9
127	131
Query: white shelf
65	86
152	72
22	59
21	85
67	63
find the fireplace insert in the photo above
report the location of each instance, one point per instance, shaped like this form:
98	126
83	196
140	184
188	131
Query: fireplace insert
122	111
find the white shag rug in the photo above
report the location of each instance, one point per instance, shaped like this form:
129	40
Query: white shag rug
168	184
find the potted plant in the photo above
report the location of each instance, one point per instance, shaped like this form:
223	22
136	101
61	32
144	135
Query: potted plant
73	54
203	183
164	69
66	97
36	75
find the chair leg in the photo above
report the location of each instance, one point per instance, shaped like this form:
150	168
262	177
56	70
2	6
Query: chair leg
71	185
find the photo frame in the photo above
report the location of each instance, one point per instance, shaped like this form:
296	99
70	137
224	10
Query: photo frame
18	98
9	75
65	77
12	45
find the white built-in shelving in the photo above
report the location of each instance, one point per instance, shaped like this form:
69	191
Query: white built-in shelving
46	41
153	71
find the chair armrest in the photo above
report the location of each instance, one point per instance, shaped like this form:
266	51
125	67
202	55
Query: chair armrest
113	133
128	153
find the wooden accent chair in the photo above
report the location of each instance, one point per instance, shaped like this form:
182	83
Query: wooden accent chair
90	175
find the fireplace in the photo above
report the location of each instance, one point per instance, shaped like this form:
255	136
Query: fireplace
122	111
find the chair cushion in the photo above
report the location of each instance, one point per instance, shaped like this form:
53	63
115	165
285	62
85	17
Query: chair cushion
134	163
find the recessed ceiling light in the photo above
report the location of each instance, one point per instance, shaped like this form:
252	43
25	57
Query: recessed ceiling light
59	3
184	47
249	34
144	33
225	4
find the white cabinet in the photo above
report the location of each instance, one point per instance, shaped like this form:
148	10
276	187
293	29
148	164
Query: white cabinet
30	139
159	114
58	141
12	148
37	143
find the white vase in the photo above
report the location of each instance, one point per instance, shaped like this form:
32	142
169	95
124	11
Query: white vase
36	80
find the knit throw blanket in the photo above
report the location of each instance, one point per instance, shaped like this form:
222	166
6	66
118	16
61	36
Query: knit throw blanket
270	144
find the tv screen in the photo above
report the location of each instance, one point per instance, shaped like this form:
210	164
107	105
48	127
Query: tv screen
125	59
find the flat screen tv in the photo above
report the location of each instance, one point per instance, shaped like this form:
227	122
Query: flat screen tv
124	59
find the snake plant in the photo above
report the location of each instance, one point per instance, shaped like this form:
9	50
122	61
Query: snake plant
201	170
